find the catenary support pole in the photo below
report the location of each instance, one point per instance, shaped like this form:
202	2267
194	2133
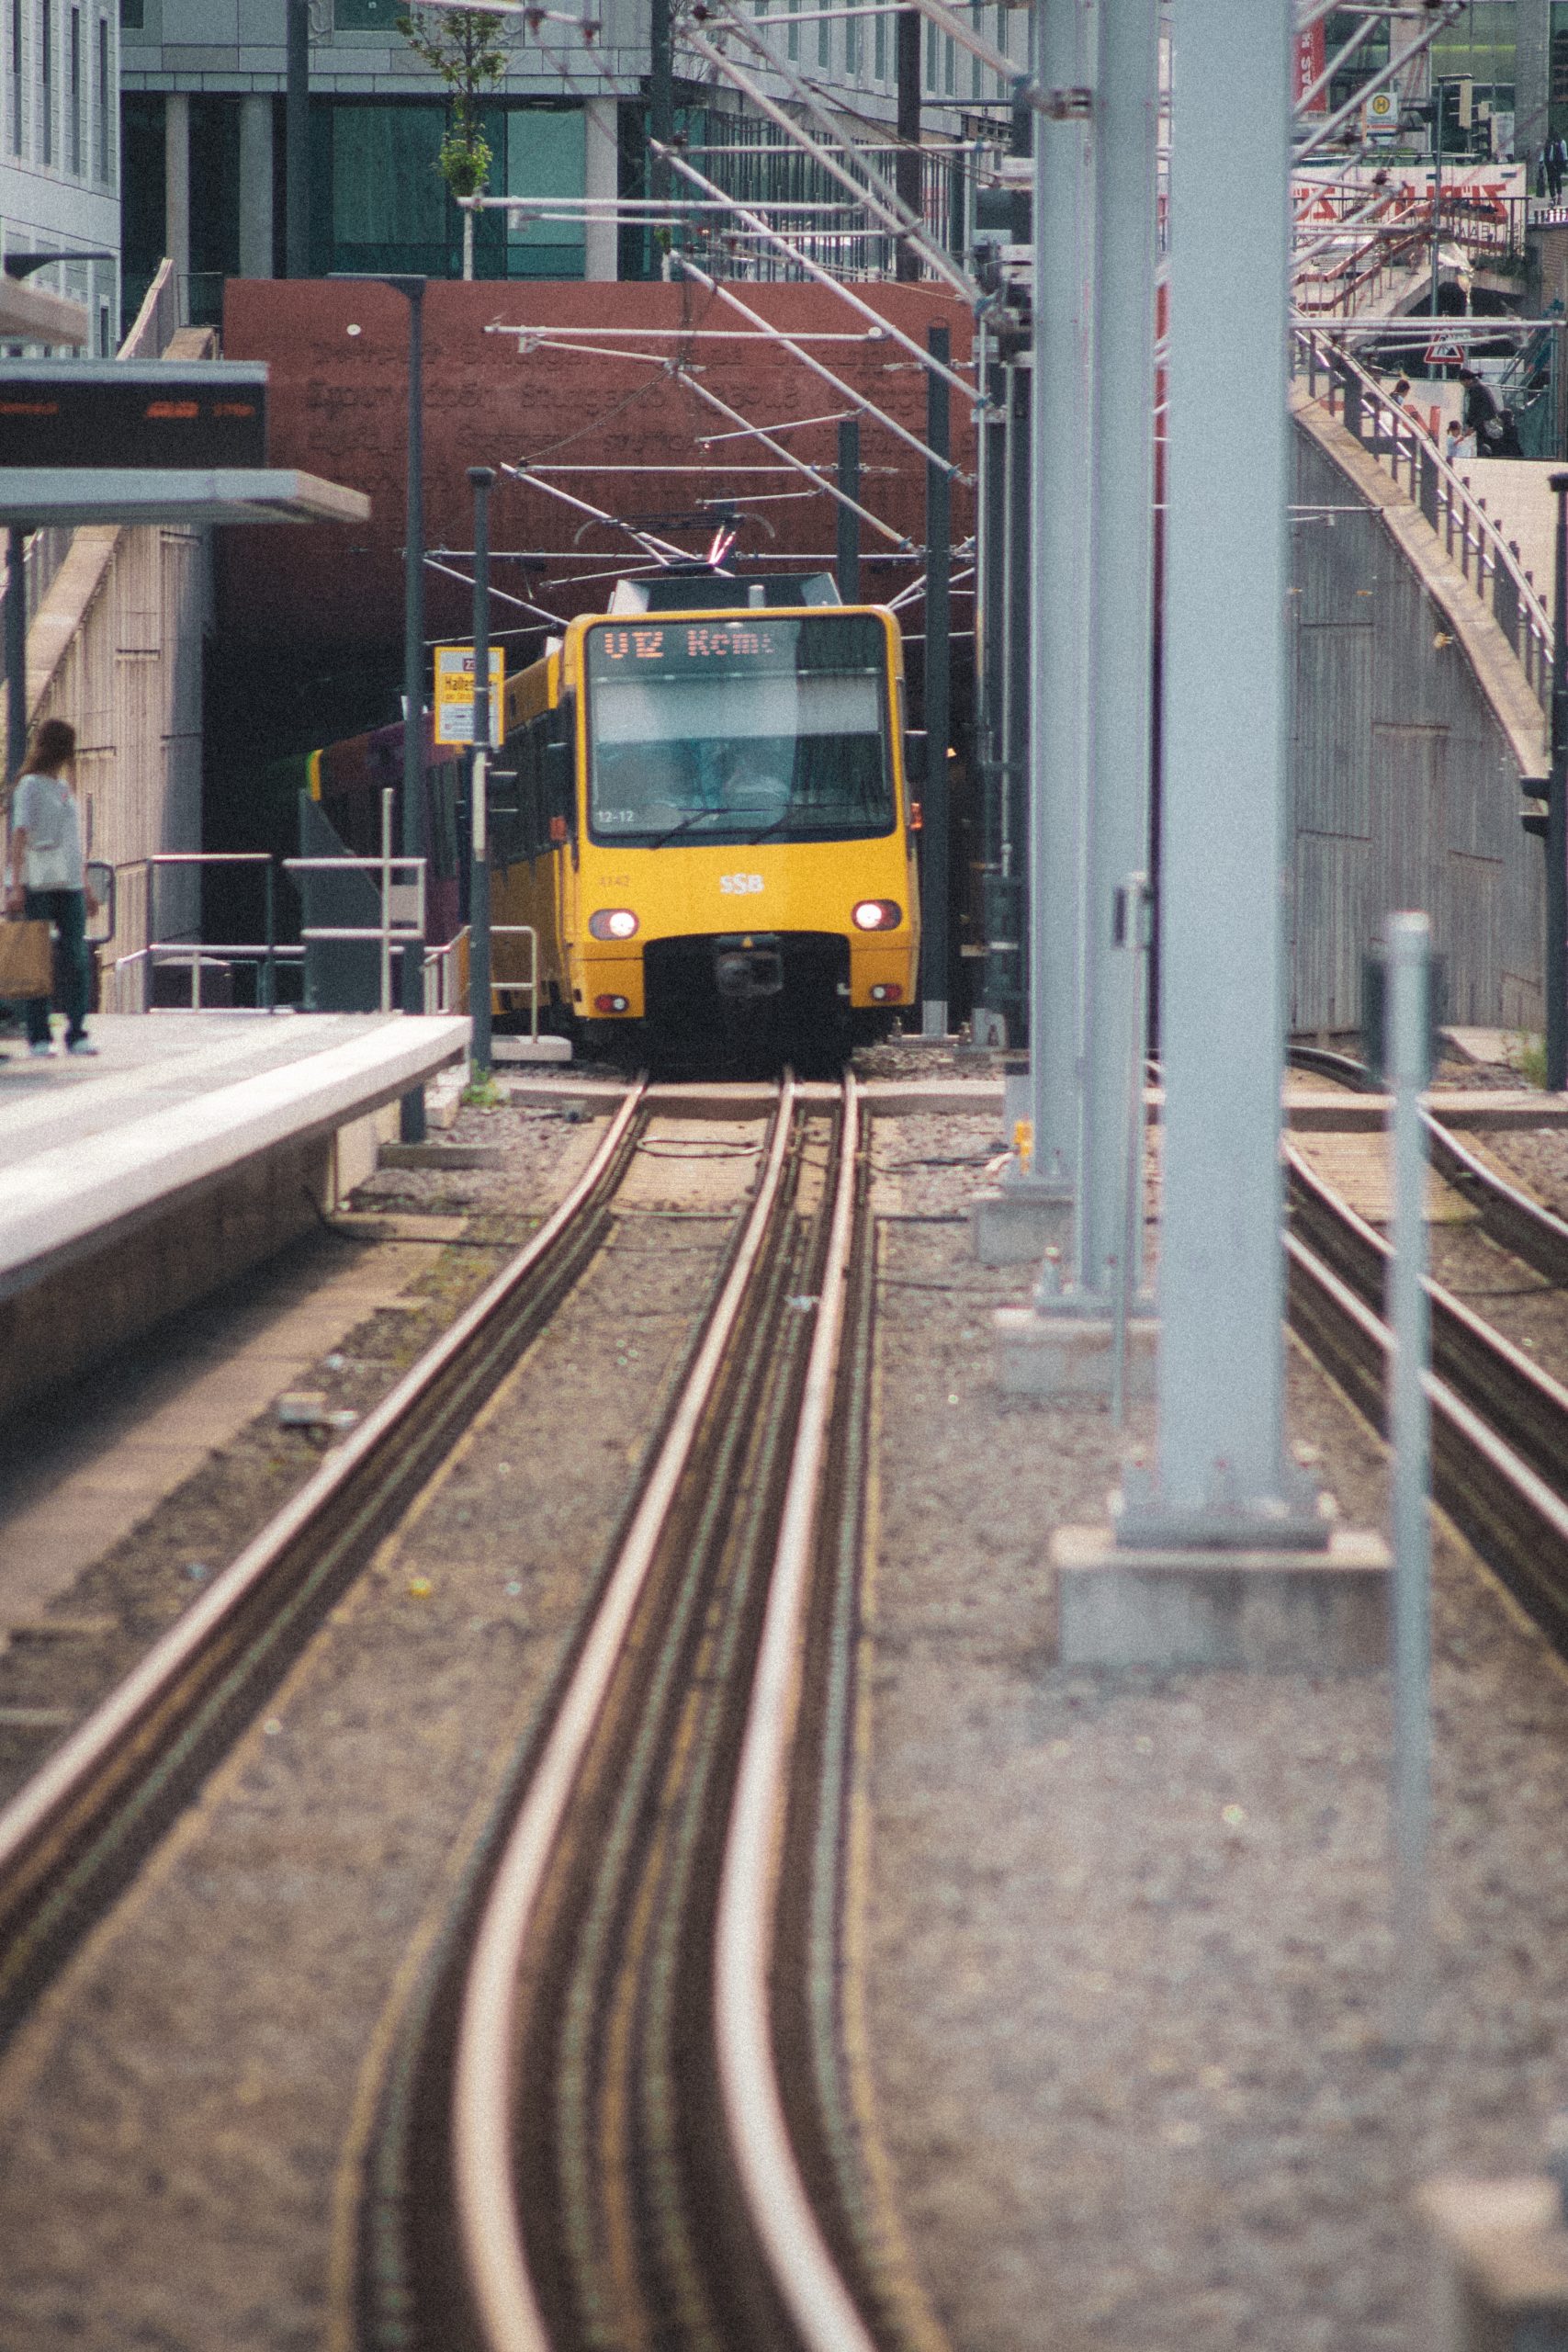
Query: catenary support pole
990	607
297	141
483	480
1060	590
1115	817
937	674
849	522
411	1120
1222	1476
1555	974
1407	1060
660	97
16	651
906	168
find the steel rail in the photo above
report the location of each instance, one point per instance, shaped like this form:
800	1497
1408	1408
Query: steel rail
777	2201
1518	1224
1526	1406
1515	1520
485	2087
69	1839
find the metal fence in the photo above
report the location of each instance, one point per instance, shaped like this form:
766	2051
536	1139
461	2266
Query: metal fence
754	161
1406	451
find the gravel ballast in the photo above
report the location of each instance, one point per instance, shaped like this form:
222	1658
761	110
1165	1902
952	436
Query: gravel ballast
1129	1955
1132	1961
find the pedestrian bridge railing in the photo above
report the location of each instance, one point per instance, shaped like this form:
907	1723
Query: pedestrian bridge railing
1405	450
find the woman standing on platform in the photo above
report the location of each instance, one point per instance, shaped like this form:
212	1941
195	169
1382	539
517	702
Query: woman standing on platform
48	875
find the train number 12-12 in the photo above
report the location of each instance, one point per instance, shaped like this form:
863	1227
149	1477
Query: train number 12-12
734	883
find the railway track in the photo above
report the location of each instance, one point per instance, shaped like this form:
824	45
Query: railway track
76	1833
1499	1421
628	2122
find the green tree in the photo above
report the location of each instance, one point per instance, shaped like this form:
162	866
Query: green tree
466	47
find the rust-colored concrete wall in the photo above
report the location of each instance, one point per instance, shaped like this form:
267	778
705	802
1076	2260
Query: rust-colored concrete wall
338	356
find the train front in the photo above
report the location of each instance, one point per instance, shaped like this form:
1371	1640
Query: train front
746	872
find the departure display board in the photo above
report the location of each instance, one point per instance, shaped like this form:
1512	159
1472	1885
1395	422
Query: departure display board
153	414
757	644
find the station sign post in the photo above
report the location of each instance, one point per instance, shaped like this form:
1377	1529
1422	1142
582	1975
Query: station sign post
455	694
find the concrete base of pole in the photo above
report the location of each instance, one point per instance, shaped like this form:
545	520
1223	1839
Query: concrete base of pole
1499	2263
530	1049
1313	1612
1064	1355
1014	1225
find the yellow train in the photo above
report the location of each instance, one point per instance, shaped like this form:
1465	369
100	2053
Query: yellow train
703	808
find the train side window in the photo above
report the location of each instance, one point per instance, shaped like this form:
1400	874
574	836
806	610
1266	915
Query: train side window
560	770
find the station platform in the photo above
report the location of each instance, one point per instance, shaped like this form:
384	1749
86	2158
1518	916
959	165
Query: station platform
191	1146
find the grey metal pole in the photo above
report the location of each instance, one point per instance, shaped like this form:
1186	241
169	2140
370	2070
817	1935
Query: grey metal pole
1409	1050
296	141
1020	683
849	522
1115	812
937	675
990	644
1555	972
660	96
1062	544
1436	191
16	651
411	1120
906	165
1222	1476
482	478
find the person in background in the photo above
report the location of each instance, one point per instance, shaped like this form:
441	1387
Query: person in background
1480	416
1459	443
48	875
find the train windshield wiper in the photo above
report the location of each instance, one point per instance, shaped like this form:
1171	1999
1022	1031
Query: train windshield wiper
685	824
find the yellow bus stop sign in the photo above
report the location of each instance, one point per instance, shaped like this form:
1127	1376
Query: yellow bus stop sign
455	694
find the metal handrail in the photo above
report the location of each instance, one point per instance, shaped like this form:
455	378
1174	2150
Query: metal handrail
1397	234
439	994
1400	445
266	955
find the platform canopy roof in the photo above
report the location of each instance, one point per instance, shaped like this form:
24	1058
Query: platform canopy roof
36	497
30	315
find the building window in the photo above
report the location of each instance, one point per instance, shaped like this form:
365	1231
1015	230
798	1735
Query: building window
792	46
367	15
948	68
15	77
1558	68
75	84
932	36
105	101
133	14
852	44
46	76
824	40
879	47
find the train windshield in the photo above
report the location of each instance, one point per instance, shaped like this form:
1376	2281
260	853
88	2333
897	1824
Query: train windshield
740	728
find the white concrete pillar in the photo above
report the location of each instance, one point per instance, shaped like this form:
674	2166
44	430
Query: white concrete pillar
255	188
1223	1475
176	191
602	177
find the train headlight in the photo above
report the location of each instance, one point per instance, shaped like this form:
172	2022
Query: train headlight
879	914
612	923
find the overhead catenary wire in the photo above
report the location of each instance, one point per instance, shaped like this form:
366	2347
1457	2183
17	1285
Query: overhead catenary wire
814	269
793	343
875	198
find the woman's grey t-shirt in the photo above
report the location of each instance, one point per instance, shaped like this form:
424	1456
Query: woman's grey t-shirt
44	808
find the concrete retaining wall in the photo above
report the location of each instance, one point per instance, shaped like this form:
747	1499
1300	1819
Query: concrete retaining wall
1413	726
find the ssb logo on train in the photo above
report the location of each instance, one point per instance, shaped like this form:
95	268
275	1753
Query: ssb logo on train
733	883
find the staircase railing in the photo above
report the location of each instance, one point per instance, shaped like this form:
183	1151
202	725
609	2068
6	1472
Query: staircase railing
1406	451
